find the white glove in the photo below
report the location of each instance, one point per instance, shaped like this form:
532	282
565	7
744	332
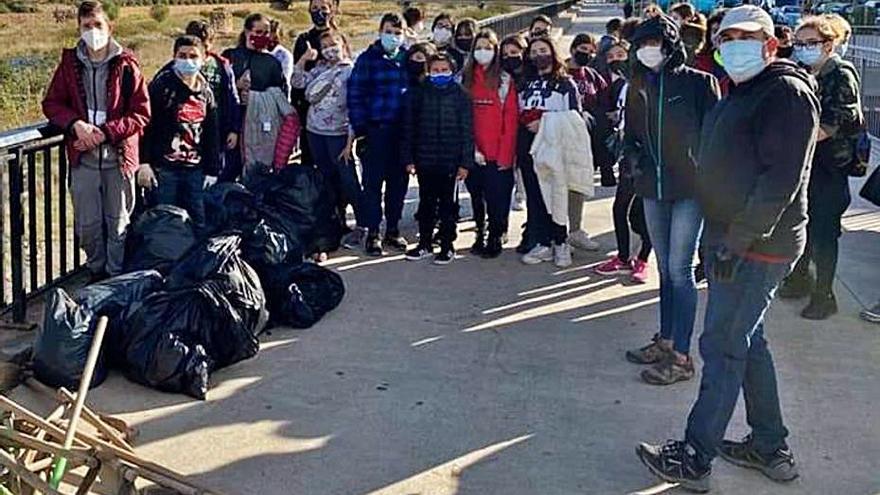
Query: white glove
210	180
146	177
479	158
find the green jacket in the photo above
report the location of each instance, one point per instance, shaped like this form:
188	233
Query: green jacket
841	116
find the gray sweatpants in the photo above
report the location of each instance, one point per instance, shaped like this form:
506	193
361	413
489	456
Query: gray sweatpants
102	199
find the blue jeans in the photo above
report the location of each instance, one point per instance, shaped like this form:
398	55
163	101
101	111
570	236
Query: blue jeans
341	176
735	355
381	164
183	187
674	228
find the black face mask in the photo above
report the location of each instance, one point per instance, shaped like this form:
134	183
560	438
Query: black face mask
784	51
319	18
415	69
539	33
583	59
543	62
619	67
511	64
464	44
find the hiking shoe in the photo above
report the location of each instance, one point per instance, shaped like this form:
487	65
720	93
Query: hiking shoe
778	466
395	241
649	354
821	307
581	240
493	248
669	371
871	315
562	255
537	255
795	287
373	246
639	271
675	462
614	266
419	253
445	256
354	239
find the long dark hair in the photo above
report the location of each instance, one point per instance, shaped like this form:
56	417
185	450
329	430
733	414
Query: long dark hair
249	22
493	72
520	42
558	71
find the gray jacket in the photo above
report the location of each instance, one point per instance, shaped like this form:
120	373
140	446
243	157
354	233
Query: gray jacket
95	85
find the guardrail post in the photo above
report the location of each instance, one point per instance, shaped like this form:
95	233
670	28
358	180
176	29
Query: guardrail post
16	224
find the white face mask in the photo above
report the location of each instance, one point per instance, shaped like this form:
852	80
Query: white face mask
96	39
650	56
442	35
484	56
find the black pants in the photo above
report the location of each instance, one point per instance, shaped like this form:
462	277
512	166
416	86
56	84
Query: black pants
829	197
629	212
437	203
490	191
539	224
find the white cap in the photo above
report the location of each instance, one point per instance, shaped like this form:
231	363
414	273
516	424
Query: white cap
749	18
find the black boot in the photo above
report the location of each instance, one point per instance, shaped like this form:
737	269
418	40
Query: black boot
479	245
493	247
373	246
822	306
796	286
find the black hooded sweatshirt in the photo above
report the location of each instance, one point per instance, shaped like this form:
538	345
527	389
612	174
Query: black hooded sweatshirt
757	147
664	114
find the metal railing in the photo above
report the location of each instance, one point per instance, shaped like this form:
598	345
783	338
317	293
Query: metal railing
520	20
865	55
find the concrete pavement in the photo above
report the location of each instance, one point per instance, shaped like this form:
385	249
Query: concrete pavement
491	377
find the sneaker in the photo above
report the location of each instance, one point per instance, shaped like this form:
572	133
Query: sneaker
871	315
614	266
581	240
373	246
821	307
393	240
562	255
675	463
669	371
519	204
445	256
649	354
639	271
796	287
778	466
354	239
537	255
419	253
493	248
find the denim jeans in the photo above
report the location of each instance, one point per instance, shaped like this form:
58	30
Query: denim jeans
735	355
381	165
183	187
341	176
674	228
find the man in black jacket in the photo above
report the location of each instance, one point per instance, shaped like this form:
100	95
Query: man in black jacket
752	189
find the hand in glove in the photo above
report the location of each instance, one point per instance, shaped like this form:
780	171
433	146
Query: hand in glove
479	158
210	180
725	265
146	178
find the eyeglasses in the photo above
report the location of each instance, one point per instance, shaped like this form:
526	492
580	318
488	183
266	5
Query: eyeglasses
807	44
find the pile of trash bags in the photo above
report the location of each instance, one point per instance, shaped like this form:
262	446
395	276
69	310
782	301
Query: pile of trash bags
191	306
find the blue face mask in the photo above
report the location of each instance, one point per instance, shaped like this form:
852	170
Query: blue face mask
442	79
391	42
743	59
842	49
809	56
187	67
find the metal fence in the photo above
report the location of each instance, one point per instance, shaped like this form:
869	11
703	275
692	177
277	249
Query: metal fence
518	21
864	53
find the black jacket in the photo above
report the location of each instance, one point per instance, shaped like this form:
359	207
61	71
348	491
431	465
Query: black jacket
755	158
185	128
664	114
265	69
438	129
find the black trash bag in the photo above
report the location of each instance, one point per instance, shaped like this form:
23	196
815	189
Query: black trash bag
230	206
202	261
159	237
297	202
300	295
62	344
265	247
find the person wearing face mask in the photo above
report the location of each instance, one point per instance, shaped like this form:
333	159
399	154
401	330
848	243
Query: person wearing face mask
415	25
254	67
842	31
438	147
465	31
708	59
495	113
443	35
754	161
786	41
327	125
693	34
547	89
612	33
182	142
376	92
540	27
829	195
98	97
665	107
512	49
417	62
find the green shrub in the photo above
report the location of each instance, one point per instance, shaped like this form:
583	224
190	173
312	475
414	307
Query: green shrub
159	12
111	8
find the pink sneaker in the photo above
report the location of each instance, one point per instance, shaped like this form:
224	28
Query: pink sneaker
640	271
614	266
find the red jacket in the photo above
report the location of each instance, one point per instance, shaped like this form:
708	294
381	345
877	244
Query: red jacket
495	122
127	115
706	63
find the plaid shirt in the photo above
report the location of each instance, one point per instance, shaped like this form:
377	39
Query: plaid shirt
376	89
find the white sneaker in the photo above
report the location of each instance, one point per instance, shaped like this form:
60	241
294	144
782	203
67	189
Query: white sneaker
581	240
562	255
519	204
537	255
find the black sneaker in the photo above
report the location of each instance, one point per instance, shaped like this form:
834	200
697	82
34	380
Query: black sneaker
373	246
493	248
821	307
393	240
675	463
479	246
445	256
795	287
419	253
778	466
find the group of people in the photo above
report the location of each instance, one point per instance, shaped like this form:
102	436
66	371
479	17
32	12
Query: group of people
682	114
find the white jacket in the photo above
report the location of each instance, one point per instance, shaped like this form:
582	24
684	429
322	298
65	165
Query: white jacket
563	161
